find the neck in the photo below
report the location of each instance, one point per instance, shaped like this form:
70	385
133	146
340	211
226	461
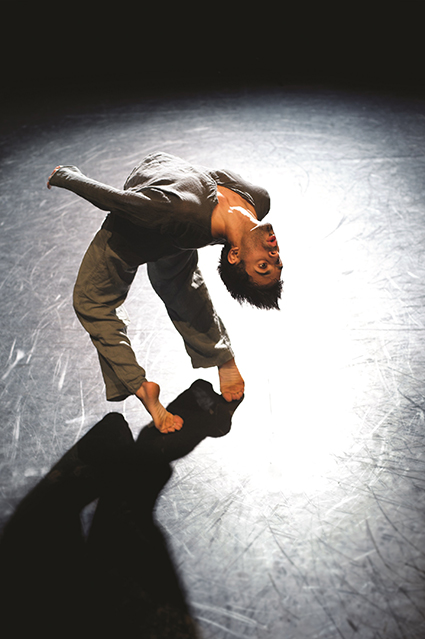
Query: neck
232	217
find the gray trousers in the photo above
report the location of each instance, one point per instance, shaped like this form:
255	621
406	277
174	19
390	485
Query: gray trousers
103	282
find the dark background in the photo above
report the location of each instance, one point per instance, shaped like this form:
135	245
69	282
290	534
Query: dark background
70	51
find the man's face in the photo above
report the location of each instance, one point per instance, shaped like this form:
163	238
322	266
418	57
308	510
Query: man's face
260	252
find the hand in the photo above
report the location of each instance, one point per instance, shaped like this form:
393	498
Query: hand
51	175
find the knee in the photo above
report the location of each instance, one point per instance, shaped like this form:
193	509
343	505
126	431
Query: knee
80	302
76	300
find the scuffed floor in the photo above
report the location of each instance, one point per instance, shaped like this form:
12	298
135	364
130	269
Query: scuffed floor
307	519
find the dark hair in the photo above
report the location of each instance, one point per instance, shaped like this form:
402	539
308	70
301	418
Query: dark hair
242	288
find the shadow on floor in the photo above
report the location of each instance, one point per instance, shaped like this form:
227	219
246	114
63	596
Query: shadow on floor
120	580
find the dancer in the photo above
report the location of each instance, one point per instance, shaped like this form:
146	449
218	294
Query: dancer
166	211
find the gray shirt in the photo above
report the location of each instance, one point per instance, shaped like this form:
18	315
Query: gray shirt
166	204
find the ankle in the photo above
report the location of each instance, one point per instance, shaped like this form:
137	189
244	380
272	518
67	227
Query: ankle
229	364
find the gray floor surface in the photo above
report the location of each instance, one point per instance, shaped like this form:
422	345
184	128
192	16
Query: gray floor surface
307	519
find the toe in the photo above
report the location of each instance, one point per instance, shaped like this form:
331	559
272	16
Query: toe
178	422
231	396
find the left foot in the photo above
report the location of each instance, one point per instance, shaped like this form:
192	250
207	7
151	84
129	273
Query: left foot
49	186
231	383
164	421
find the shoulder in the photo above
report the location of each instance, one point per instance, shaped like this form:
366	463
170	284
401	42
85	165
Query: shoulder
252	193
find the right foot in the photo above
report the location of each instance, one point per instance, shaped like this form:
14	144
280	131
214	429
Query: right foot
164	421
231	383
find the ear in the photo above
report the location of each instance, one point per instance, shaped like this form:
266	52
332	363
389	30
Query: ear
233	255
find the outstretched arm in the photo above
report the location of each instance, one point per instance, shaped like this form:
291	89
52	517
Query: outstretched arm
135	206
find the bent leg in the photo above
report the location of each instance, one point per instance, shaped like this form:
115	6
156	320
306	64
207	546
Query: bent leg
179	283
102	286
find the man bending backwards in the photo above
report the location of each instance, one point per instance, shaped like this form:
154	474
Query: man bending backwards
167	210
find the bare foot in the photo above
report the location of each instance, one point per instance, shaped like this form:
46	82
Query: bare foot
164	421
231	383
49	186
